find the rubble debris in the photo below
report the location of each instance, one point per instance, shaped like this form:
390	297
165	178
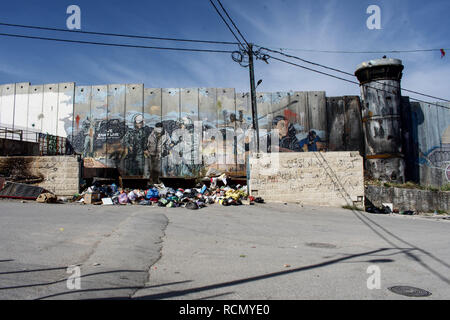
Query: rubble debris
162	196
47	197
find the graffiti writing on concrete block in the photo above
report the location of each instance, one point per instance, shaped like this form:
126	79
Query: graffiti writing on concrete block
310	178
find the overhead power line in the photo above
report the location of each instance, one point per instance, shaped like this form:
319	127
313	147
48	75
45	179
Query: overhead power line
349	81
116	34
224	10
113	44
225	21
363	52
347	73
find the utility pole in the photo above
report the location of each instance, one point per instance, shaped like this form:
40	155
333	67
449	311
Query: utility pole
253	94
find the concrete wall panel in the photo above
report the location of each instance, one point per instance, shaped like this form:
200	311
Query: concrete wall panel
83	128
170	116
136	135
35	105
21	106
152	117
318	114
301	108
99	110
116	127
7	105
226	122
65	110
243	124
50	109
344	124
208	115
191	142
433	134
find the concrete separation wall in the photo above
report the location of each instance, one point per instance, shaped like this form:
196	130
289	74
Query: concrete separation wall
409	199
59	174
313	178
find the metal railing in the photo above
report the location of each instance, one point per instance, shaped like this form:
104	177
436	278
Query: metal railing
49	145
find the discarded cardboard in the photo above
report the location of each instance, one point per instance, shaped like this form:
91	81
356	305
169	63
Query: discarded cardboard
90	198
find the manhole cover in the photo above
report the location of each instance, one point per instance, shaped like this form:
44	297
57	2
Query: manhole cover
321	245
410	291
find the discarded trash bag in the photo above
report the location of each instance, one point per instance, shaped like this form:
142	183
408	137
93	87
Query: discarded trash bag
192	206
46	198
123	198
132	196
259	200
386	210
152	194
145	203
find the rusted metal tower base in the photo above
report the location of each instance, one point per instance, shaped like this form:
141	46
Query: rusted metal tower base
381	116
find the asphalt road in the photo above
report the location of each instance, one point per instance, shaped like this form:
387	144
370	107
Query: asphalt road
270	251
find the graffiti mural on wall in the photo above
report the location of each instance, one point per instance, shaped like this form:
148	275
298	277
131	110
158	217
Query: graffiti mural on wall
154	132
438	156
431	135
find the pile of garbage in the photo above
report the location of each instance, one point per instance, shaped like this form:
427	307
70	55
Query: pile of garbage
387	208
162	196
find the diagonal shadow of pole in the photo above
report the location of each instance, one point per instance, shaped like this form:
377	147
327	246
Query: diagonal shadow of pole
61	280
112	289
369	222
177	293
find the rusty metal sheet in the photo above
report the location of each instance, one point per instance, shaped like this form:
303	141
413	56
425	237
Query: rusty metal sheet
20	191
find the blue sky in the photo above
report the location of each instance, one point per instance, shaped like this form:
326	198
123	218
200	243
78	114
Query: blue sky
320	24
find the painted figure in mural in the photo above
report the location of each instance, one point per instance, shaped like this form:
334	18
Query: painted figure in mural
88	130
158	146
310	142
187	144
135	141
287	135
